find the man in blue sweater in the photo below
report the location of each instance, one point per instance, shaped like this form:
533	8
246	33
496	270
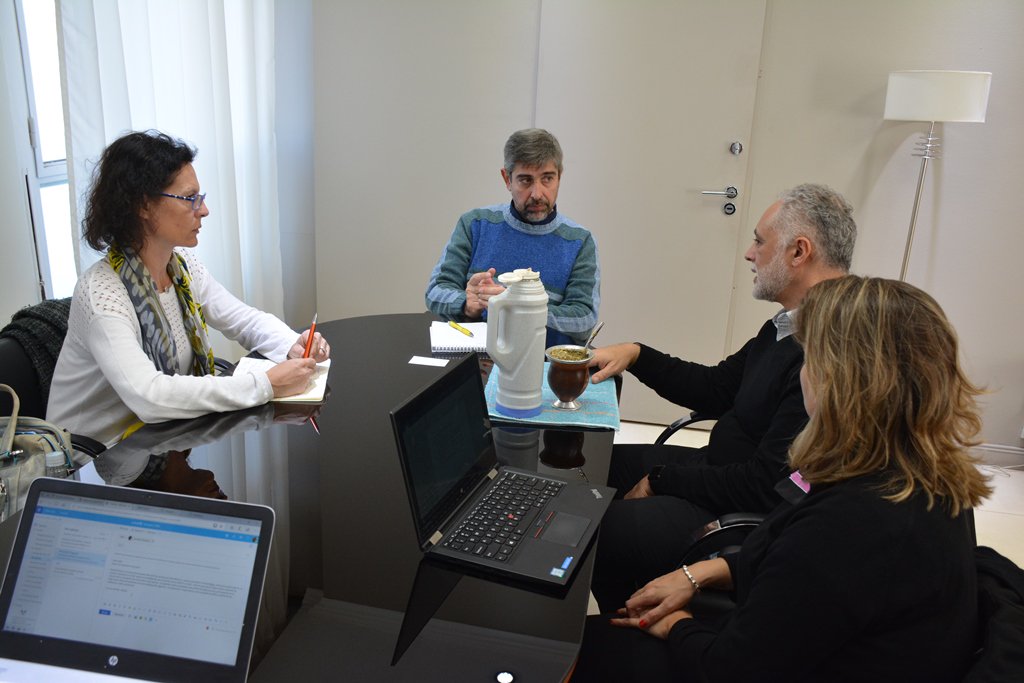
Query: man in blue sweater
805	237
529	232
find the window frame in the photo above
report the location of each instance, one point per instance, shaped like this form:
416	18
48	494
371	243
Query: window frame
41	174
48	172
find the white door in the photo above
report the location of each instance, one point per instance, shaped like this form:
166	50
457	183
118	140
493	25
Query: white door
646	98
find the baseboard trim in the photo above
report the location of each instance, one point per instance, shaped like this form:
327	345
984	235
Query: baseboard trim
999	455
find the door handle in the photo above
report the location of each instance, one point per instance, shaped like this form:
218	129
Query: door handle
730	192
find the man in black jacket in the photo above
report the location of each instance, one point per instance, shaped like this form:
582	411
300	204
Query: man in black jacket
669	492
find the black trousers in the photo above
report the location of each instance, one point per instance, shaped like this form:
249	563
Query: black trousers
612	653
645	538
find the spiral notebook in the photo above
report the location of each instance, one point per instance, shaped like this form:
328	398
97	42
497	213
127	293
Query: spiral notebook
446	340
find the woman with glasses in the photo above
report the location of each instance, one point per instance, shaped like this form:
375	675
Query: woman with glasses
137	348
869	575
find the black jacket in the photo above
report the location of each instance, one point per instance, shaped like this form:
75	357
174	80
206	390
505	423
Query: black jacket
756	394
844	586
1001	612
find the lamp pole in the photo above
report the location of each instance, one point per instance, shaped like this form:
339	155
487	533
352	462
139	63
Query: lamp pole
929	151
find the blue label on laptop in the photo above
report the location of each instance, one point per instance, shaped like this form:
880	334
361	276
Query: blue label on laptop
567	562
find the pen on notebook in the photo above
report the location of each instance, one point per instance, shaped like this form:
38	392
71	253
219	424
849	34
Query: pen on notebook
309	341
460	328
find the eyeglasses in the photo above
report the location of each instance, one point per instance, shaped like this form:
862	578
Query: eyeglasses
196	199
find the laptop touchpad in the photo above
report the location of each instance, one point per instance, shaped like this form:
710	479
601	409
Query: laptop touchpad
566	529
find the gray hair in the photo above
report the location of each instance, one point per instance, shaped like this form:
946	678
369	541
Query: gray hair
823	216
532	147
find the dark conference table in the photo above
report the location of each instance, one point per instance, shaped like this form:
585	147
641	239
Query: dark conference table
353	552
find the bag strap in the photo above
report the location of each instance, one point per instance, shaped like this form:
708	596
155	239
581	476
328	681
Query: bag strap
7	440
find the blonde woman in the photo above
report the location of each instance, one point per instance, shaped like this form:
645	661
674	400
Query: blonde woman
870	576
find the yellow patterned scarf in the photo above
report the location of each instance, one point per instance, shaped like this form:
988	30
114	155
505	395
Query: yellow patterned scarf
157	340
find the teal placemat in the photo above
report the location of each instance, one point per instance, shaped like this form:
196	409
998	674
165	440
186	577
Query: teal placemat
598	406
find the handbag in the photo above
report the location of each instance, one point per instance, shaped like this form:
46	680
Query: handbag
25	443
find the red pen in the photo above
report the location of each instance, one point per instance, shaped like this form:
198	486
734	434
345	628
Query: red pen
309	341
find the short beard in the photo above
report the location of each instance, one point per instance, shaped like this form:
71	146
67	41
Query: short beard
771	280
540	214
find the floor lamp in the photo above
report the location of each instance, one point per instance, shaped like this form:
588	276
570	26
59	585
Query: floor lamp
937	97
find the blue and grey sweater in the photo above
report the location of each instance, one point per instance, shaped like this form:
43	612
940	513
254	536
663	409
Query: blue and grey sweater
562	251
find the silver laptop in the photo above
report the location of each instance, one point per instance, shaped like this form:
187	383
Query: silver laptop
110	583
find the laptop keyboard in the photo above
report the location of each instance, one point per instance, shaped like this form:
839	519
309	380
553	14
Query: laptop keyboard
506	513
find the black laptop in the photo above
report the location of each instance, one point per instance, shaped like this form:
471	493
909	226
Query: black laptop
112	583
470	510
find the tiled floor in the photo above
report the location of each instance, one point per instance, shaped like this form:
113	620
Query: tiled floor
999	520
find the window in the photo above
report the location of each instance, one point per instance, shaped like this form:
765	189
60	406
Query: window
49	193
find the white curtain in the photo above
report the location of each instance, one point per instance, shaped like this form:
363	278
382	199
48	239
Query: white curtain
202	71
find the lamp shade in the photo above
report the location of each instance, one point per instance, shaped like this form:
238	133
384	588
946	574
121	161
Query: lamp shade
937	96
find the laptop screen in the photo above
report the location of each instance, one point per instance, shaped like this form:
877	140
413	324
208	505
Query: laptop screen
154	575
444	441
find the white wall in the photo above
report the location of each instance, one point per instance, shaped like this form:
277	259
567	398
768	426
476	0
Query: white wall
19	282
819	118
293	25
413	103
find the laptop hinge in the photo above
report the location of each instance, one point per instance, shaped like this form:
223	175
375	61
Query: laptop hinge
436	538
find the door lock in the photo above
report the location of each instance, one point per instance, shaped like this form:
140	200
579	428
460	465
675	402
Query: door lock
729	209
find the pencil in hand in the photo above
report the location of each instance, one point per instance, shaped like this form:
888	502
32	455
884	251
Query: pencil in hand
309	340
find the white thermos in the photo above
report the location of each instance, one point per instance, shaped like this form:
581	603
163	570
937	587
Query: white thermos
516	332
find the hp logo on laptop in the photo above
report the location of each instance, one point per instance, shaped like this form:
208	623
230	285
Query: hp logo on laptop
112	661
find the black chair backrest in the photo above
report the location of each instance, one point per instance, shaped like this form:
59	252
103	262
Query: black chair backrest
16	371
31	345
1001	617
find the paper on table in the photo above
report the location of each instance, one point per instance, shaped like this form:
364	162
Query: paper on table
423	360
313	394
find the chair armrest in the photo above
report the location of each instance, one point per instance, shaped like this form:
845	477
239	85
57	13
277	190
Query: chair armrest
695	416
222	367
749	518
87	445
721	536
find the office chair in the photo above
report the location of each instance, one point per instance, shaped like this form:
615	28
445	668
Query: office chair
33	340
720	536
17	372
29	347
999	656
686	421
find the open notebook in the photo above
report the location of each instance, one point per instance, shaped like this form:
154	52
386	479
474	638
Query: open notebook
315	392
445	339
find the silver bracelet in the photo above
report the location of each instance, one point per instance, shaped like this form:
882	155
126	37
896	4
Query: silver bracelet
696	586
